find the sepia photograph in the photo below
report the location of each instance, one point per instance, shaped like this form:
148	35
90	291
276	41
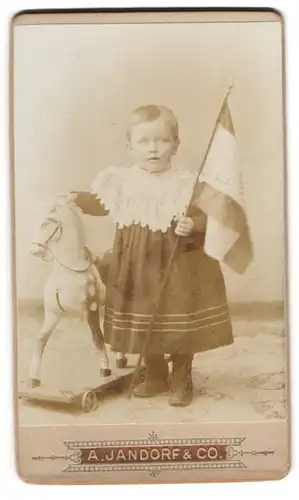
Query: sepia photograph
150	272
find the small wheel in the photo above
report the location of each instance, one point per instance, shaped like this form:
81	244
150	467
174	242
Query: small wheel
89	401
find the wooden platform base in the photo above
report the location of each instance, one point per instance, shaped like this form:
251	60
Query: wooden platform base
85	397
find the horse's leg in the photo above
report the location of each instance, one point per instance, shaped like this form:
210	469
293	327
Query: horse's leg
93	319
51	320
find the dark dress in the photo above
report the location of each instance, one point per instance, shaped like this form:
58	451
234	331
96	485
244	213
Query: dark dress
193	314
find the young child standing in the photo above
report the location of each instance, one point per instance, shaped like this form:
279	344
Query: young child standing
147	202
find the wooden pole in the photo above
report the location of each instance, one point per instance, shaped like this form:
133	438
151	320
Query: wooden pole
172	257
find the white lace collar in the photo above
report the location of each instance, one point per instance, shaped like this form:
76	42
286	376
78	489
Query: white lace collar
135	196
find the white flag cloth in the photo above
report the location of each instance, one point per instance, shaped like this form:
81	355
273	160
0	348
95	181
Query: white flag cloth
220	197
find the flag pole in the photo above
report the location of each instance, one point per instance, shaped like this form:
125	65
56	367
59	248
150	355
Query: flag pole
173	254
226	95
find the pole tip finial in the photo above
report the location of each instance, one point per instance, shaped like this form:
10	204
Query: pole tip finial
230	85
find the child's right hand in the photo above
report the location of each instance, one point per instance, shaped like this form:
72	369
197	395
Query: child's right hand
185	226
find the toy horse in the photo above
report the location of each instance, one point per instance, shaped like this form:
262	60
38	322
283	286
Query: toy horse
73	286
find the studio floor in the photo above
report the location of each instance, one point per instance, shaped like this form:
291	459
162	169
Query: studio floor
242	382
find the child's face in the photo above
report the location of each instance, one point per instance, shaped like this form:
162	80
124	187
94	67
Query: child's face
152	144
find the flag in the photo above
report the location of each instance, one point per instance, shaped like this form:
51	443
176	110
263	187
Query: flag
221	198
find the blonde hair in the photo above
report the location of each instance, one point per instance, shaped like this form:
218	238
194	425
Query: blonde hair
150	113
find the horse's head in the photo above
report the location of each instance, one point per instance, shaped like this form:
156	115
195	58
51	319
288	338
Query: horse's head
60	215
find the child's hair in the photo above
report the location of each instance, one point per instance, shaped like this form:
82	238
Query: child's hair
150	113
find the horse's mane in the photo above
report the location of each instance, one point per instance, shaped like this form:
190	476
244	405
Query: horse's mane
63	200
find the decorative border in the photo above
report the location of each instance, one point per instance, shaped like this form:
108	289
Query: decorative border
181	454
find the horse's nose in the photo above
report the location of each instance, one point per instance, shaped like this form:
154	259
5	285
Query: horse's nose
36	250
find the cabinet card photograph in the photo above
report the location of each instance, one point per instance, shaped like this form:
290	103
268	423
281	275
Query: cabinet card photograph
148	199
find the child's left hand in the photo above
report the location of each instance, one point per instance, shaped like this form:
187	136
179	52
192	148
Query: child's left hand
185	226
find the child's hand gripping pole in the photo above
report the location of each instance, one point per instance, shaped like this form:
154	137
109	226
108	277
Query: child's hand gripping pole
172	257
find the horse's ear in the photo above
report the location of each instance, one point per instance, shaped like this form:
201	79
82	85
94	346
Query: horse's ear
65	199
59	200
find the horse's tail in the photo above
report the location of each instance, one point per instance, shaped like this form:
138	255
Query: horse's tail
92	305
103	265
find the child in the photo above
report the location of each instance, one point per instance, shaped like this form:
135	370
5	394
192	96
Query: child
147	202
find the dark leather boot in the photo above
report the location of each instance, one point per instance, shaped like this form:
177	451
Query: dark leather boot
155	377
181	386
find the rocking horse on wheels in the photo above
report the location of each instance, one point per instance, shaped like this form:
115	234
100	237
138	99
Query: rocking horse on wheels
73	287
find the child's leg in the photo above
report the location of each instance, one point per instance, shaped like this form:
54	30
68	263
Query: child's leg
181	386
155	377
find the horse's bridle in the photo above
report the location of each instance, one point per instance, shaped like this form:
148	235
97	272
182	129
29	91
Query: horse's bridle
45	245
58	227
